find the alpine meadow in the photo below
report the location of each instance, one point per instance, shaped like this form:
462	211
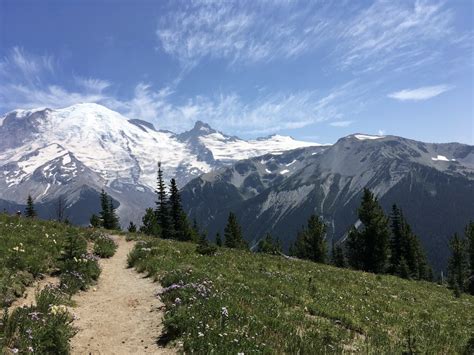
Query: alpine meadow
236	177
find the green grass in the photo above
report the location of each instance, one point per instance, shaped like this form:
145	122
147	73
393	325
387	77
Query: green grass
30	249
238	301
104	246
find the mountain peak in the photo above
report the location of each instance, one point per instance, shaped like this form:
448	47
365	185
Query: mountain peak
203	127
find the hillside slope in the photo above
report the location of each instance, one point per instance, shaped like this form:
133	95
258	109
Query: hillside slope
433	183
240	302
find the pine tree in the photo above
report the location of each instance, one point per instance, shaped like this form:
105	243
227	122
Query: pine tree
162	212
268	245
310	243
114	220
30	208
179	220
218	239
233	233
150	224
407	258
105	210
132	228
337	253
369	248
469	231
95	221
458	264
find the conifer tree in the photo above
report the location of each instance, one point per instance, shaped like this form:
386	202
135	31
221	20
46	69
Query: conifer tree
105	210
458	264
30	208
310	243
132	228
114	220
179	220
150	224
233	233
162	212
95	221
470	241
369	247
337	253
218	239
268	245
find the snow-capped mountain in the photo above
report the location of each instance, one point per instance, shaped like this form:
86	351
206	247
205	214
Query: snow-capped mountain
83	148
433	183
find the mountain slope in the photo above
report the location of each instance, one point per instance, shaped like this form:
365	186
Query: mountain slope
433	183
52	153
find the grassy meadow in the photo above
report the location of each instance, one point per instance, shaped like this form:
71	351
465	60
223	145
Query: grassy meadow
240	302
31	249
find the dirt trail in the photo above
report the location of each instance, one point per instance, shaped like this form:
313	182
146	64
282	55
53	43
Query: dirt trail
121	315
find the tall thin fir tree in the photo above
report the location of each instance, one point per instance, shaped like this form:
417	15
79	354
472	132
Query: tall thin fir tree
114	220
105	210
458	264
311	242
337	253
179	220
162	212
469	231
233	233
218	239
368	248
30	208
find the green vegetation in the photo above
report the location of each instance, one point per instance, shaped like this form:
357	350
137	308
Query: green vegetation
237	301
31	249
44	328
108	217
104	246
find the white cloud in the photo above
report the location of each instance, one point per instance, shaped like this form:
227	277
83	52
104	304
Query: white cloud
423	93
341	123
386	33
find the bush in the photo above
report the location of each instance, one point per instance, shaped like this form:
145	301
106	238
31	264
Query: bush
104	246
42	329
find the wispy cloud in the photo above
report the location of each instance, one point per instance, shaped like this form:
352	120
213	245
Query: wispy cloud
351	36
28	81
341	123
420	94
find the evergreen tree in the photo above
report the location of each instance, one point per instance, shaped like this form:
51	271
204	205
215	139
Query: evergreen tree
204	248
470	241
407	258
162	213
338	258
310	243
233	233
30	208
268	245
114	220
95	221
368	249
179	220
458	264
132	228
150	224
218	239
105	217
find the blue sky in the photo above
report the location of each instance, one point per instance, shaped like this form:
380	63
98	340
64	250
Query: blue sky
315	70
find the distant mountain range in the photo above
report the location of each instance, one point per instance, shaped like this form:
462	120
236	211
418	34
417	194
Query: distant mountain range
273	184
433	183
76	151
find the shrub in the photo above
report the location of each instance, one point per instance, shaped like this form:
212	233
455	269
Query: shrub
104	246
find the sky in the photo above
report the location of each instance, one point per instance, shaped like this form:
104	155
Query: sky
315	70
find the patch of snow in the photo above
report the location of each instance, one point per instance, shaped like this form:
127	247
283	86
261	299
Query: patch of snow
289	164
440	158
285	171
363	137
66	159
268	171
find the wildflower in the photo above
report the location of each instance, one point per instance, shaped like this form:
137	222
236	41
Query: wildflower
200	334
224	312
30	349
14	350
177	300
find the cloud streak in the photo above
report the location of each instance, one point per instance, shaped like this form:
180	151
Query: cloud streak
420	94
